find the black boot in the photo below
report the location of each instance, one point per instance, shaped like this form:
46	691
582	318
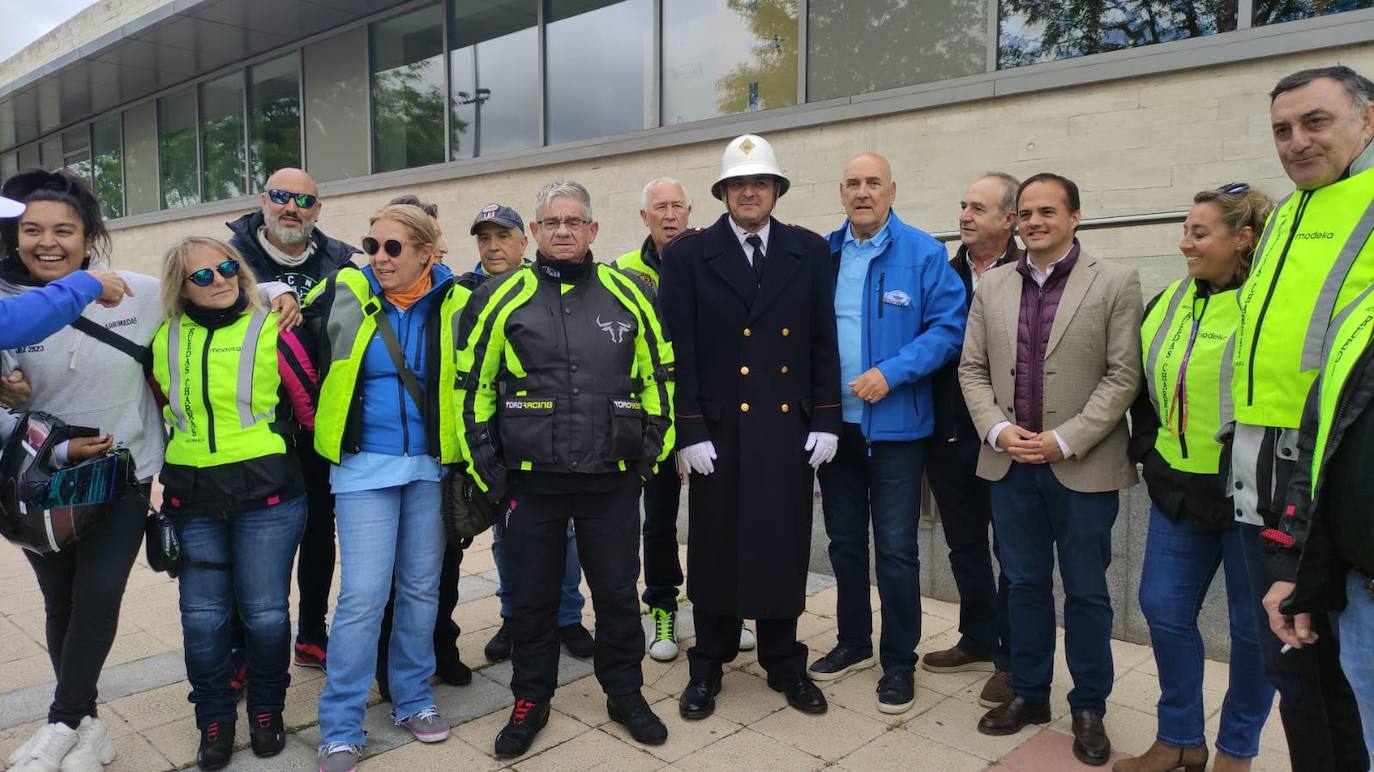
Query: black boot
450	668
526	719
216	745
631	711
698	700
498	648
266	733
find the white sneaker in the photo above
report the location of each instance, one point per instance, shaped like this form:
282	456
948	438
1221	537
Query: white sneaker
50	746
93	747
746	638
664	647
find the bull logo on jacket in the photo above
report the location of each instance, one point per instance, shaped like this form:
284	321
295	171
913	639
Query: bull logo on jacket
615	329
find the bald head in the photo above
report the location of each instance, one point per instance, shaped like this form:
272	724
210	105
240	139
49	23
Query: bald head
289	225
867	192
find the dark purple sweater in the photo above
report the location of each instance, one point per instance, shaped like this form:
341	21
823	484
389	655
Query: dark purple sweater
1038	306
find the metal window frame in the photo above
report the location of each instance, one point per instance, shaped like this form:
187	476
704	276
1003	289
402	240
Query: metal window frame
1243	44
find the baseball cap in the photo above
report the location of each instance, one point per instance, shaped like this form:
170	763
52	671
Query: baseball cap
10	208
500	214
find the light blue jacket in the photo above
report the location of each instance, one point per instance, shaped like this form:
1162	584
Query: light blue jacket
913	323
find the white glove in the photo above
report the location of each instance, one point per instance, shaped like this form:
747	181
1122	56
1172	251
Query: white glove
699	457
822	446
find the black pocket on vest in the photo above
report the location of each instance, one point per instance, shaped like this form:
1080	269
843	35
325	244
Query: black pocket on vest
526	426
627	428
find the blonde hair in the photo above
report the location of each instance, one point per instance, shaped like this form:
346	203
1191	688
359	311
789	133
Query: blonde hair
423	228
174	272
1238	209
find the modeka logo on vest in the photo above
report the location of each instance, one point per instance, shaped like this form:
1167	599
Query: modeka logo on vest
1317	235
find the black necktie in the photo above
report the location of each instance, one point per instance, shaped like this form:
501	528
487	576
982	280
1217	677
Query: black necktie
757	258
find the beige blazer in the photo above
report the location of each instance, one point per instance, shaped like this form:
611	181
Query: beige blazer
1092	369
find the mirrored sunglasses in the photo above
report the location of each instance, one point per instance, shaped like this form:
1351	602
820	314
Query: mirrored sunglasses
205	276
280	197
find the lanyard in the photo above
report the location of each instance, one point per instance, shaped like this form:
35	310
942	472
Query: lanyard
1178	403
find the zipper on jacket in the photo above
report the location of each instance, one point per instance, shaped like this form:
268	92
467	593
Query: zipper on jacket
1192	338
1037	359
882	280
1264	307
205	388
400	385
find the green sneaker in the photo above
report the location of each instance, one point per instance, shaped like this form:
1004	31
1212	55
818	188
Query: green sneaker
664	647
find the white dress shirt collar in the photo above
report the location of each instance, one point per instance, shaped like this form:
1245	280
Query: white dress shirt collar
742	234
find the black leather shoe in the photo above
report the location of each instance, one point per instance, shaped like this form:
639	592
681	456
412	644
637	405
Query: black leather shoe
1013	716
216	745
631	711
526	719
1090	743
451	670
498	648
579	642
897	691
698	700
801	693
839	661
267	735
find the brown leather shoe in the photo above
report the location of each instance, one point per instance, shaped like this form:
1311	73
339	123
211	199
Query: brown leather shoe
954	660
1163	757
997	690
1090	743
1013	716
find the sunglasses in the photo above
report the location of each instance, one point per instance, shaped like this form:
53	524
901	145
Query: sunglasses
206	276
392	246
1234	188
280	197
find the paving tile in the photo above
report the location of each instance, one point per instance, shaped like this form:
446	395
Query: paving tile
831	736
475	587
479	615
1131	731
1049	751
18	645
823	602
26	671
133	753
749	750
481	734
684	737
134	646
461	704
1129	656
27	600
178	740
154	707
900	751
745	698
15	736
477	561
584	700
302	703
451	754
592	750
954	722
297	755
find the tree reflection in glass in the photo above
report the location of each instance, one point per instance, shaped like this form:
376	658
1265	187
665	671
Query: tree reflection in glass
1033	31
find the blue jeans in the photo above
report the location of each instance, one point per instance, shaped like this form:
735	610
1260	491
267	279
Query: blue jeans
1036	516
570	600
1356	627
250	555
1179	566
383	533
881	482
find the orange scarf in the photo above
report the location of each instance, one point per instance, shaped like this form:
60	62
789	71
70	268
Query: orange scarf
406	298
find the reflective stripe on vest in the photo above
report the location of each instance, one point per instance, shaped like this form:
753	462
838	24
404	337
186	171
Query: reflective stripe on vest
1166	337
1350	335
209	375
633	262
1315	256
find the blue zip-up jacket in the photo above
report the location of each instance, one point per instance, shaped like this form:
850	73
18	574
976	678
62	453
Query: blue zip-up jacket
32	316
913	323
391	421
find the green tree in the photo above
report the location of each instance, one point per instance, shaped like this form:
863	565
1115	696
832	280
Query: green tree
1045	30
772	75
408	115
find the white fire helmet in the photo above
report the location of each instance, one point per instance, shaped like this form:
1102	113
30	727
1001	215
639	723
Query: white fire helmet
745	156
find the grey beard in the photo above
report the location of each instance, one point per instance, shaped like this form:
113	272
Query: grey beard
290	236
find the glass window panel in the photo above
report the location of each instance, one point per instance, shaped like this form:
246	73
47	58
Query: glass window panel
408	90
1033	31
50	153
221	137
494	73
1274	11
722	57
176	140
336	106
9	165
140	159
107	165
30	157
274	93
76	152
600	68
857	46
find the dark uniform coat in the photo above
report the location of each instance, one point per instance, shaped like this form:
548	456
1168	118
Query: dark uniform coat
758	368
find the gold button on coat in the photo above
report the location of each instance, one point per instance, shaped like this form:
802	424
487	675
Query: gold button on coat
785	408
747	333
786	332
744	370
784	369
744	407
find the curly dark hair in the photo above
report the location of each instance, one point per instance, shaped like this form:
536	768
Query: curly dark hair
63	187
